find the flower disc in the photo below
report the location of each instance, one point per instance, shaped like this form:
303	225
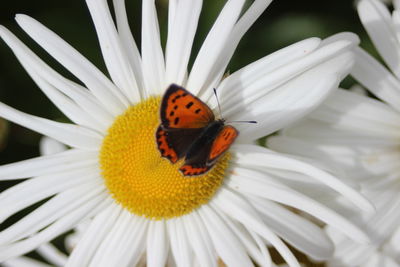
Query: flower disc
140	179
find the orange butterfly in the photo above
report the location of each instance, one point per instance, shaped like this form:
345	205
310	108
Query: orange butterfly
188	129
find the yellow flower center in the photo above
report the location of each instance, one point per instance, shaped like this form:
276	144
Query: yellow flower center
140	179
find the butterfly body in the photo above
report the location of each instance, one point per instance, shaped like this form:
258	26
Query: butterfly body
189	130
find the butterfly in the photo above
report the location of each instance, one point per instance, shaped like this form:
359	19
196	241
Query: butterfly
189	130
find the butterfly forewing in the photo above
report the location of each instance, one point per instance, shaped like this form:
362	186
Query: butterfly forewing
181	109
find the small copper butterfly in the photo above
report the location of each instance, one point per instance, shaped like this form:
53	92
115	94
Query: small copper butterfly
189	130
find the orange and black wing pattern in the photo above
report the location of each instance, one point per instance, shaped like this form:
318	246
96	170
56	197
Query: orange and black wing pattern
221	143
180	109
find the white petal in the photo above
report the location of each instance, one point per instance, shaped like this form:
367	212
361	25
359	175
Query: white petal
23	262
33	190
44	165
200	240
255	246
274	160
80	95
371	74
157	245
352	109
296	230
180	247
112	248
290	103
95	234
181	33
53	210
84	210
257	184
376	19
48	146
228	247
52	254
152	55
206	60
113	51
128	42
238	209
240	28
239	81
68	134
101	87
63	103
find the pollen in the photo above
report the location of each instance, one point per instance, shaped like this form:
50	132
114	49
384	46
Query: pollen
143	182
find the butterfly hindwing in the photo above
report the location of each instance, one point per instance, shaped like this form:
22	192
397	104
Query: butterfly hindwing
180	109
180	140
221	143
164	146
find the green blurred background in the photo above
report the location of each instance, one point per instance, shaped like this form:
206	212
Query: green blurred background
283	23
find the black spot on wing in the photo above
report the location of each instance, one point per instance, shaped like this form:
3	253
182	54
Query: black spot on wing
176	120
188	105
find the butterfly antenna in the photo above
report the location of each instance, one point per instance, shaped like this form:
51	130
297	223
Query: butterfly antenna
241	121
219	106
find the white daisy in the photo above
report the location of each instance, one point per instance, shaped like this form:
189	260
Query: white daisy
359	137
141	206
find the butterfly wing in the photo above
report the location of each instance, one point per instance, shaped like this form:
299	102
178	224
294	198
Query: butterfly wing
222	142
200	159
180	109
174	143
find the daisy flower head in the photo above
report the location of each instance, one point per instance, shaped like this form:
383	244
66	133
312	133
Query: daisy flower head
359	136
141	205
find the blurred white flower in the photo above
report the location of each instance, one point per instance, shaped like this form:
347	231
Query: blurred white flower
358	137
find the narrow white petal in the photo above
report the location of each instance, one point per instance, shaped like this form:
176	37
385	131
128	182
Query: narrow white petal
240	210
217	38
255	246
128	42
152	55
84	210
290	103
101	87
51	211
237	82
240	28
24	262
114	55
180	39
52	254
77	93
55	86
133	246
200	240
33	190
69	134
371	74
112	248
256	184
92	238
48	146
296	230
44	165
157	245
228	247
66	105
354	107
180	247
275	160
376	19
